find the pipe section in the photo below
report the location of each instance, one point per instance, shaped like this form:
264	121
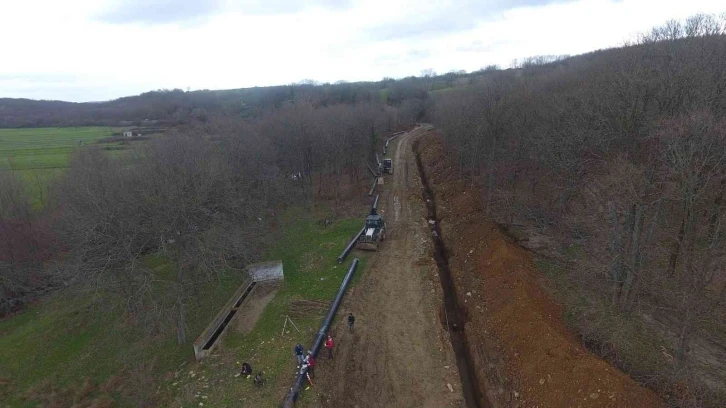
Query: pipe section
350	245
373	187
371	170
301	375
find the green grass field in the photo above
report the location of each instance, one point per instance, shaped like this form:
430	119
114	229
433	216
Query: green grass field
44	148
66	346
39	155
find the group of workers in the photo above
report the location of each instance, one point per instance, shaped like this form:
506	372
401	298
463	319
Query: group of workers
305	361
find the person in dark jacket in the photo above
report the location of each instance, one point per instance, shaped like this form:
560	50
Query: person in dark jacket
246	369
351	321
299	354
329	344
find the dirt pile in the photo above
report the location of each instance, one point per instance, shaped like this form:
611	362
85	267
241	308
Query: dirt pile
523	353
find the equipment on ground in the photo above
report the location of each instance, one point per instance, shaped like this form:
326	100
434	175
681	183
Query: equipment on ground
388	166
374	231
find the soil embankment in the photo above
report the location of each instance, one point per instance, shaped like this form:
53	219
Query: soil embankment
522	353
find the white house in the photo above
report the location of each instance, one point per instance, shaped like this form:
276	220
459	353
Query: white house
128	133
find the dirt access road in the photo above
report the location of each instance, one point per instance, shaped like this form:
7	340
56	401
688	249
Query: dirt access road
399	354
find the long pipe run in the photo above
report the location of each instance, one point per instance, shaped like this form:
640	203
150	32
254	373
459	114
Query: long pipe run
350	245
395	135
302	374
373	187
371	170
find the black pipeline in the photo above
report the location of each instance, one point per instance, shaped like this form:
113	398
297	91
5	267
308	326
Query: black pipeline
371	170
350	245
395	135
302	374
373	187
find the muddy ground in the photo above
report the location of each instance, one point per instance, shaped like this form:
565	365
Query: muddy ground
399	354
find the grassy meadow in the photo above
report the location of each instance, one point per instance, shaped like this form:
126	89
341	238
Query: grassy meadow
45	148
38	155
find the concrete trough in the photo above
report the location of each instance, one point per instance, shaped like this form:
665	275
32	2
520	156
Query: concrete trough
266	271
260	272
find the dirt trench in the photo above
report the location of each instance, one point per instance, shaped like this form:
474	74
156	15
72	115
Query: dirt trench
455	315
522	353
399	354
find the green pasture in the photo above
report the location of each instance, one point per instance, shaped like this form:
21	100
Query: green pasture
45	148
39	155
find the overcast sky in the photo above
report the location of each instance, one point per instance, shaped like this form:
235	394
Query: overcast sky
93	50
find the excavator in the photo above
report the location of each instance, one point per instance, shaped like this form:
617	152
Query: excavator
388	166
374	230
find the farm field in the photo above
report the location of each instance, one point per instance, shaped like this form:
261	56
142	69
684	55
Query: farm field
45	148
39	155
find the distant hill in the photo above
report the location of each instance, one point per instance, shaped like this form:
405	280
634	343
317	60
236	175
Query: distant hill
171	107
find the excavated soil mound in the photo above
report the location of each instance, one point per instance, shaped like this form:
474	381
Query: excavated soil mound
524	355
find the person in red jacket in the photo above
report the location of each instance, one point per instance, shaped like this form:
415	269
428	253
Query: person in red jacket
329	344
309	362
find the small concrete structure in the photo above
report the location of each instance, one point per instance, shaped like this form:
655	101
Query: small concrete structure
128	133
259	272
266	271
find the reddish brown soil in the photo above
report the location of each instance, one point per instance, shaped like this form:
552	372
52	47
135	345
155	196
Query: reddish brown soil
524	354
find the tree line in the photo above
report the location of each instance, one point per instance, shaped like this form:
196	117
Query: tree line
204	198
620	153
173	107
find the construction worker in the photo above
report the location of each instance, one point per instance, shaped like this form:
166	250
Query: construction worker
299	354
310	362
260	379
351	321
329	344
246	369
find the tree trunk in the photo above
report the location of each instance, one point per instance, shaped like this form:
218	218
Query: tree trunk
673	259
181	324
683	336
713	224
630	272
490	182
640	261
616	248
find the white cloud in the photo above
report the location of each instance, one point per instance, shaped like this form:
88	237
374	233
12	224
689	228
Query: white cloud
64	50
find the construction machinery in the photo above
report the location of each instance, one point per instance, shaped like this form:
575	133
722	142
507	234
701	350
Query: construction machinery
374	230
388	166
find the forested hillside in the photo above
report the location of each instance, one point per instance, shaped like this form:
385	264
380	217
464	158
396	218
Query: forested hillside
175	107
612	166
